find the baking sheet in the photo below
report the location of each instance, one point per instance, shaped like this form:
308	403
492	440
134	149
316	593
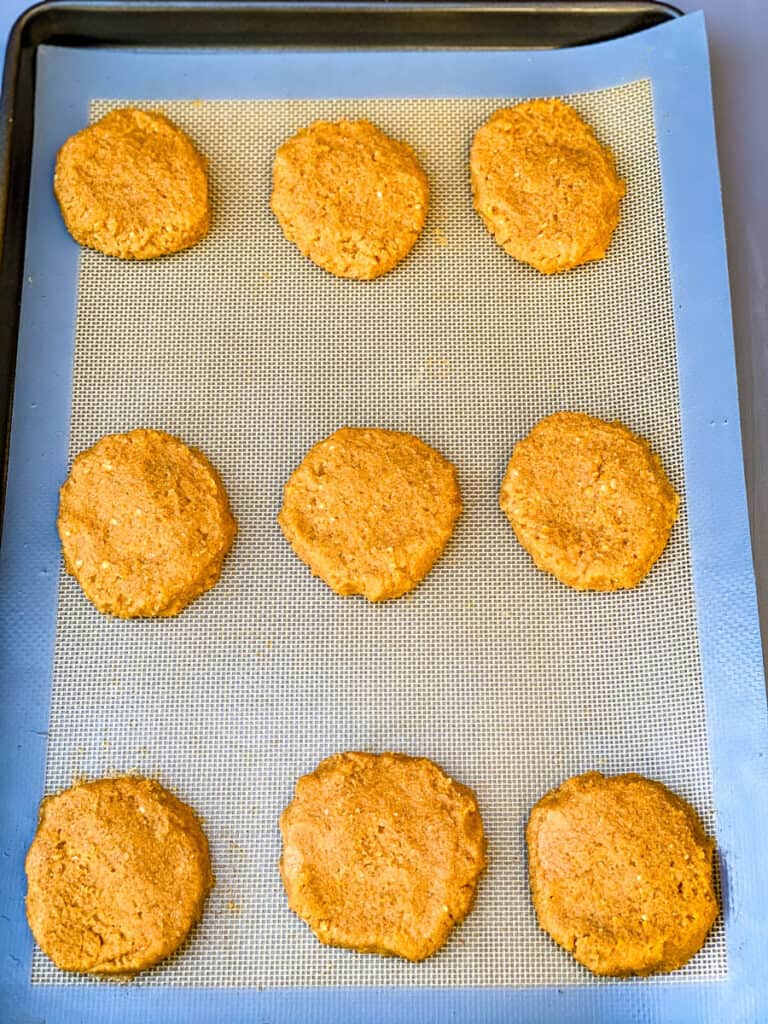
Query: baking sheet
459	383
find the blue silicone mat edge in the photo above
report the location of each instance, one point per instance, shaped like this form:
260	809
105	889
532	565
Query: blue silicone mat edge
674	57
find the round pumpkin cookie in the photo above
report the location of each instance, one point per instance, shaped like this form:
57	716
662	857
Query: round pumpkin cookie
621	874
117	875
381	853
133	185
370	511
589	501
144	523
352	199
546	189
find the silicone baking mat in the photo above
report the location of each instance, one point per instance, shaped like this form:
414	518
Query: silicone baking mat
507	679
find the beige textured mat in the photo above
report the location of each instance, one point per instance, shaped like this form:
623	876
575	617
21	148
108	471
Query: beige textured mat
505	677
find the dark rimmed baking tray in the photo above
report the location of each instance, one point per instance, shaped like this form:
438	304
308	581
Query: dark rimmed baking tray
270	25
200	23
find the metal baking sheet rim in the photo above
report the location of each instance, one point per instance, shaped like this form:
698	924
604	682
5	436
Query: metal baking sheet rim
726	605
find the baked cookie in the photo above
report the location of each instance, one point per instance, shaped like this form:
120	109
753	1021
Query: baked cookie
544	186
381	853
621	874
349	197
370	511
133	185
117	875
144	523
589	501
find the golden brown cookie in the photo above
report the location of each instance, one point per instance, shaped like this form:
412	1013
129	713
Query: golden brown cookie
370	511
349	197
621	874
133	185
544	186
381	853
144	523
589	501
117	874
